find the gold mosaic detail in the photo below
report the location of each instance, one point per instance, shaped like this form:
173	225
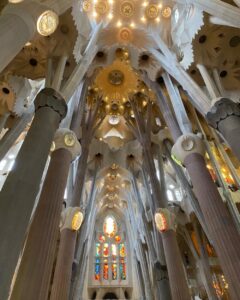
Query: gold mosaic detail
151	11
127	9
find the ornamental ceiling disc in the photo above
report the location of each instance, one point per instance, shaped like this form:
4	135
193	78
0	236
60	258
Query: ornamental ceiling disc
127	9
102	7
151	11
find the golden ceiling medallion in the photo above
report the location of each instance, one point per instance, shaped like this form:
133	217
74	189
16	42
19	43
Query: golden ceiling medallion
151	11
127	9
102	7
125	35
116	82
166	12
116	77
86	5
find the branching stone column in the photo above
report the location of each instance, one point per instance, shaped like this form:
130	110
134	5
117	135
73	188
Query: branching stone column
225	117
22	185
165	222
34	274
65	257
72	219
189	149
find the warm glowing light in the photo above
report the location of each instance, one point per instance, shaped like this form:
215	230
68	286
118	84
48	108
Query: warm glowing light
15	1
110	1
110	16
119	24
69	139
132	25
47	23
143	19
28	44
160	5
157	19
161	221
77	220
110	226
94	14
145	4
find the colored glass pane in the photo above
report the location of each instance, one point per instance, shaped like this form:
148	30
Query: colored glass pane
114	271
98	249
122	250
122	268
102	238
105	250
97	269
110	226
118	238
114	250
105	271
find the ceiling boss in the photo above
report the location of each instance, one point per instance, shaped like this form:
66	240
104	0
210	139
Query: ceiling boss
127	13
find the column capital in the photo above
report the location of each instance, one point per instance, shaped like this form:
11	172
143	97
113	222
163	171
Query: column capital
48	97
221	109
165	220
187	144
71	219
66	139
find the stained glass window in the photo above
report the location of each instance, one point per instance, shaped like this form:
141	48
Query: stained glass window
102	238
122	251
105	270
97	269
122	268
110	252
117	238
114	271
114	250
98	249
110	226
105	250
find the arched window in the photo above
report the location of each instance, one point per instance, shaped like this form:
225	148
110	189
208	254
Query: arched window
110	252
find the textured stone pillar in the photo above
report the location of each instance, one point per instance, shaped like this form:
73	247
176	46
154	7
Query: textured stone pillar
225	117
22	185
162	282
63	270
11	136
165	222
35	270
226	240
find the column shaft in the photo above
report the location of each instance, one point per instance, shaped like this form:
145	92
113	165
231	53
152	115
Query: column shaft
178	282
220	225
63	270
35	270
14	34
22	185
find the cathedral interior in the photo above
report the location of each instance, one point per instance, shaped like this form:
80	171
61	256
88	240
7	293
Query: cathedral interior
120	149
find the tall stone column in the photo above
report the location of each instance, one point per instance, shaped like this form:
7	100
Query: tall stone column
189	149
165	222
224	116
71	222
22	185
34	274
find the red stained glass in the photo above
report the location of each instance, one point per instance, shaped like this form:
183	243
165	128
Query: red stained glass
105	250
105	271
102	238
